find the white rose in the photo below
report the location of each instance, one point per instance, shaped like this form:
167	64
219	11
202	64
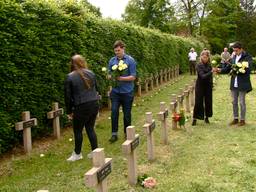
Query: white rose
120	68
121	62
125	66
241	70
239	65
114	67
245	64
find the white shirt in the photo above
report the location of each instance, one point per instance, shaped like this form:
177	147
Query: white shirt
236	61
192	56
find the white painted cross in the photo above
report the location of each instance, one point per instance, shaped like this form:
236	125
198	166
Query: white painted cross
149	128
129	147
26	125
55	115
96	176
162	115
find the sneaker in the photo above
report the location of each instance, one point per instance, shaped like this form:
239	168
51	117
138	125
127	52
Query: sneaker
75	157
113	139
89	155
234	122
206	120
194	122
241	123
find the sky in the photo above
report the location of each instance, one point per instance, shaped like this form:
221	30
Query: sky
110	8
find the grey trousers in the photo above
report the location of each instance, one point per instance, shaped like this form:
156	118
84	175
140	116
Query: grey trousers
241	95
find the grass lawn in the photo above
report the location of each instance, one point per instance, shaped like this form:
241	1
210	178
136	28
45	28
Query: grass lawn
212	157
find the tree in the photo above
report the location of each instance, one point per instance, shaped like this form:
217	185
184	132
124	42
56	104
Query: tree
92	8
157	14
246	31
221	23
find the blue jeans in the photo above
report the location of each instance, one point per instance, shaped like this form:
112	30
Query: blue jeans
117	99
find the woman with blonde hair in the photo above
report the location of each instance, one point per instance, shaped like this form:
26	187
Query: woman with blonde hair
81	99
203	89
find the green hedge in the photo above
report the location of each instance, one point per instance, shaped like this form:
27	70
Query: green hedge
37	40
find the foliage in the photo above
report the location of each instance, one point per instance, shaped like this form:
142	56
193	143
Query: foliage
217	59
246	31
156	14
220	25
37	40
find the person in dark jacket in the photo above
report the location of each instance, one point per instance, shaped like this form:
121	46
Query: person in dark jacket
240	83
81	99
203	89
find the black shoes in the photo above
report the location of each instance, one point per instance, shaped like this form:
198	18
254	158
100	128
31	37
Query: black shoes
113	139
206	120
194	122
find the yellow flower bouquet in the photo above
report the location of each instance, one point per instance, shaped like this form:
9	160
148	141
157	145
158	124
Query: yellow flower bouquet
118	70
239	68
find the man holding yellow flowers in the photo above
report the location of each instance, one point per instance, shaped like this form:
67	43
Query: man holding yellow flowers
240	83
122	72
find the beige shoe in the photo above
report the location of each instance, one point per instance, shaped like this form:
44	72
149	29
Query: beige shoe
75	157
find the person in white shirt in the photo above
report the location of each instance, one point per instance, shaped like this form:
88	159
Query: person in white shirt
192	61
240	83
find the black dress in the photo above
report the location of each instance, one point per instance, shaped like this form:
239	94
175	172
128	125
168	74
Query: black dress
203	92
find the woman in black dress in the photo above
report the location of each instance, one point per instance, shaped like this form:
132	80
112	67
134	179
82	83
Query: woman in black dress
203	90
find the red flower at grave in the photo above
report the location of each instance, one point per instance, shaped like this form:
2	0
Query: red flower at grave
179	117
176	117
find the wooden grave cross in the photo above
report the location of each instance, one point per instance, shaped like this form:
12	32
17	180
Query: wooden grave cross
192	95
146	85
187	102
102	167
151	81
55	115
173	107
162	115
161	76
108	95
149	128
139	87
156	78
180	100
128	148
26	125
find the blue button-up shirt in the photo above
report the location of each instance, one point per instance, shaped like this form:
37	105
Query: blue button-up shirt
124	86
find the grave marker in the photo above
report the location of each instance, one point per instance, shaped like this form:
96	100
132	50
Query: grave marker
149	127
26	125
102	167
55	115
129	149
162	115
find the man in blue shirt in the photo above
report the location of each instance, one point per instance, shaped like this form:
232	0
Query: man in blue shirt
122	92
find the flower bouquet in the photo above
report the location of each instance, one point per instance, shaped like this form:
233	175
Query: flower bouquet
214	63
118	70
146	181
179	117
239	68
